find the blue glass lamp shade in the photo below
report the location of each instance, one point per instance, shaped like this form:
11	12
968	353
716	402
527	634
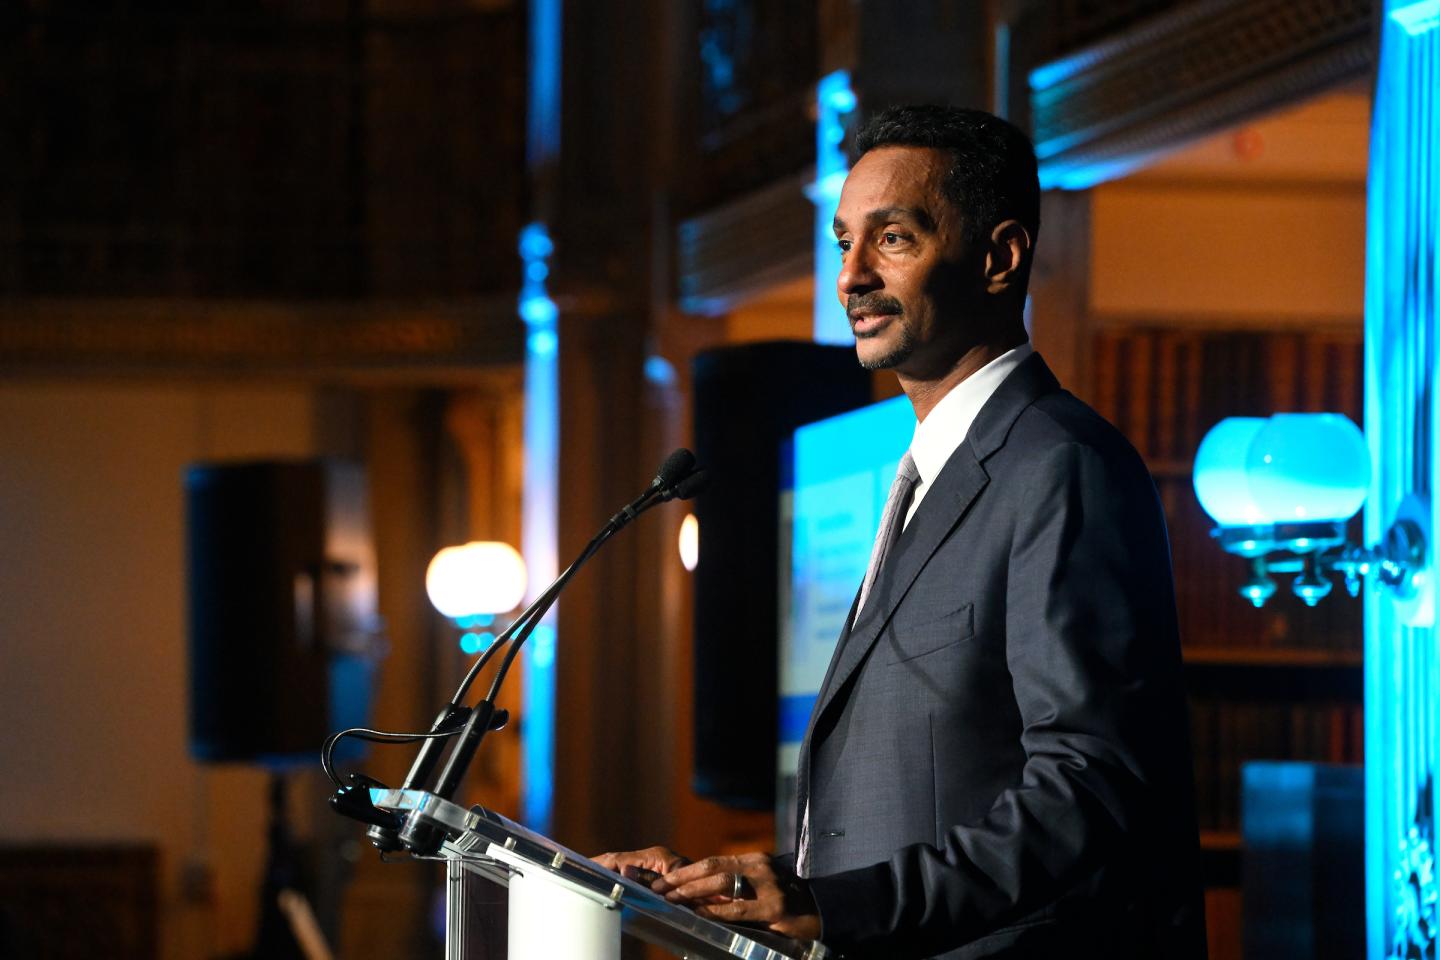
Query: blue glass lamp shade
1292	468
1220	481
1308	468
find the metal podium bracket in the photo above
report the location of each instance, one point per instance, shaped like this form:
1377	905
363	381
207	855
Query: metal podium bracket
552	915
563	903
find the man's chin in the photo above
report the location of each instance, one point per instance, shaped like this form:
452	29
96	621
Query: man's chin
874	355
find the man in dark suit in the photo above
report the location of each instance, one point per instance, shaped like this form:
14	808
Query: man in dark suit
997	764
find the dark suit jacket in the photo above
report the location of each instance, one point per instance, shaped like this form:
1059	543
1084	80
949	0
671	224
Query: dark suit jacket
998	764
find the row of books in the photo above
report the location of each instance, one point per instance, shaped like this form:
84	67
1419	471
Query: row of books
1225	735
1165	388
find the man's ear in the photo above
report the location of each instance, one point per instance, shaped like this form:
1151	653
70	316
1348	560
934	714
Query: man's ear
1007	258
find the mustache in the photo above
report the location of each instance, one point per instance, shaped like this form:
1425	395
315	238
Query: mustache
875	302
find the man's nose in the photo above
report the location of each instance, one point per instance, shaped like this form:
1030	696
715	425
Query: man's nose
857	273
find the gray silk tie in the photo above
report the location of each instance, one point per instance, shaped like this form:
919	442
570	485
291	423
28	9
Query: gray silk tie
892	521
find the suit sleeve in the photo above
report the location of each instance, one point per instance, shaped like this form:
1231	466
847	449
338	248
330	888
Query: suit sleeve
1092	651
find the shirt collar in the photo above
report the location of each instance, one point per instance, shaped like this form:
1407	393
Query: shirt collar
941	433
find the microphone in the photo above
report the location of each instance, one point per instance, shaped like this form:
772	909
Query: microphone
691	485
676	469
677	478
679	465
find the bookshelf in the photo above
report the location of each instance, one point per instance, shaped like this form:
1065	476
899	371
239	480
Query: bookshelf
1283	682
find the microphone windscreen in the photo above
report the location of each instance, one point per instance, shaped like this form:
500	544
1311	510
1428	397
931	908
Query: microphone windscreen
676	466
691	485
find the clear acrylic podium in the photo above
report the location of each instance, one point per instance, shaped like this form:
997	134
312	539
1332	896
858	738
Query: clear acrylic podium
563	905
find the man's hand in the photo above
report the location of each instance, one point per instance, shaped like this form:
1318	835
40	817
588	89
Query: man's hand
781	902
643	866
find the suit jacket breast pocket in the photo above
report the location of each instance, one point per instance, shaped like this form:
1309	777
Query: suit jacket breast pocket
927	630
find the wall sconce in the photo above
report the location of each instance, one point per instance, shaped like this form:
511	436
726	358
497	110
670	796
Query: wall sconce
481	578
1280	490
689	542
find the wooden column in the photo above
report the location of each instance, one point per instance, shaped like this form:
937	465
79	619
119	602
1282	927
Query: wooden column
1058	314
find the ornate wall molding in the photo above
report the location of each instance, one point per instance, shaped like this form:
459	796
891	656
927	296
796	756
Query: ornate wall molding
737	250
243	338
1104	109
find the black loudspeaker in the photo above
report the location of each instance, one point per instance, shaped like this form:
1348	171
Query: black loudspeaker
282	611
747	401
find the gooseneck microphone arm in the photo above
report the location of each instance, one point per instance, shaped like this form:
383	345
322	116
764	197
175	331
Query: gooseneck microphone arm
678	468
678	478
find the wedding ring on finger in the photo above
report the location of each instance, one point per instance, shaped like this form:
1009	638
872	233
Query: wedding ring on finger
737	886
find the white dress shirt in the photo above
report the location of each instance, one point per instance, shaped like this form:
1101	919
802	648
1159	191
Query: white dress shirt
939	435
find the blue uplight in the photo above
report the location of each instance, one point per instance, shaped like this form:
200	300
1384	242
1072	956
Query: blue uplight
659	371
543	116
473	643
835	92
535	245
539	729
835	101
1402	329
1058	71
540	511
536	308
541	343
1074	175
1417	18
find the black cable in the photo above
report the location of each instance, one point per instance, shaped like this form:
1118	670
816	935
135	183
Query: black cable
327	752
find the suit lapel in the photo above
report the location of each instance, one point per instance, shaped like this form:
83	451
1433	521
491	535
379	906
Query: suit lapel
835	657
944	506
955	489
957	486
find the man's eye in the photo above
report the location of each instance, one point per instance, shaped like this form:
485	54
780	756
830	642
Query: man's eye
889	239
844	246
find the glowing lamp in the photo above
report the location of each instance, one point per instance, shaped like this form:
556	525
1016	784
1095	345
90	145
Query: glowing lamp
1280	491
1293	468
689	542
1308	468
481	577
1221	483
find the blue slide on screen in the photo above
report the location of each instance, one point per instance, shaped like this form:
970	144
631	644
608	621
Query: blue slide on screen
840	471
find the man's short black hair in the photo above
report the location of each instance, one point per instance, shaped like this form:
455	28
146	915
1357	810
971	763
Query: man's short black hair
992	175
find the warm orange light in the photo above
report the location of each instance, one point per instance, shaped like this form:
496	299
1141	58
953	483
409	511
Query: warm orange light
689	541
478	578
